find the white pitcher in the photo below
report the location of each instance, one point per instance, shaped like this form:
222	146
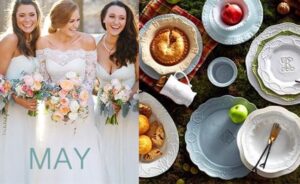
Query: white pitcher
179	92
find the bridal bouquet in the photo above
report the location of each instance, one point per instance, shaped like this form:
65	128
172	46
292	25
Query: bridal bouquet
31	86
69	101
5	91
111	95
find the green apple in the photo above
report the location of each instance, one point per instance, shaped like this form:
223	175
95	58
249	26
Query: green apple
173	1
238	113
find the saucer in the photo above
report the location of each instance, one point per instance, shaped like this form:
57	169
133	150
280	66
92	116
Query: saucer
222	72
240	34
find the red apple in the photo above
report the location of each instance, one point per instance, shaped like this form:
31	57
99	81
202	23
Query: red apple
231	14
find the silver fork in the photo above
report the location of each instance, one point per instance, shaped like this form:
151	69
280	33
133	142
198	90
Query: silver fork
272	137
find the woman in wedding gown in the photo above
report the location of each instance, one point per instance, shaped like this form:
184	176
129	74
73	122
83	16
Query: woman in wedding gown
17	52
117	53
76	156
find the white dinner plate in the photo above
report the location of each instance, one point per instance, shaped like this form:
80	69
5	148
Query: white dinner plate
266	34
279	64
285	150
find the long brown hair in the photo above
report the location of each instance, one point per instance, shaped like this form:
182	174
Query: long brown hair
127	44
61	13
24	48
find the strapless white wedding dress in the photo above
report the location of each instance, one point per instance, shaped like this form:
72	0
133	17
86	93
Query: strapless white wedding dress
67	143
18	134
120	141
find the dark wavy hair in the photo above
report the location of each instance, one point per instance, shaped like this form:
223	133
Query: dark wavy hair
127	44
26	49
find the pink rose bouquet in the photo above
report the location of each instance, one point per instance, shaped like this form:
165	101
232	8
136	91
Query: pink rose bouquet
31	86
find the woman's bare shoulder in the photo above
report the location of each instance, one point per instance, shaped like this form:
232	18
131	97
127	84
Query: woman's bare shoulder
87	41
42	42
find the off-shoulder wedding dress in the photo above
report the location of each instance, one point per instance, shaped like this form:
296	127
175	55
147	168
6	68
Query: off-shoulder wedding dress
75	150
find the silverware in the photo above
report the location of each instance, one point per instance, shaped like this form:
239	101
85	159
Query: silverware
272	137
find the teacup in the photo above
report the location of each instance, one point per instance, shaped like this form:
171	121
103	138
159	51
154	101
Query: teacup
179	92
222	72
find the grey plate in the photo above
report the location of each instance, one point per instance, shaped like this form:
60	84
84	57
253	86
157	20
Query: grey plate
211	138
152	73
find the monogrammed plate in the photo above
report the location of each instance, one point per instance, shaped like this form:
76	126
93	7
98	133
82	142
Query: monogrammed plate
171	145
279	64
267	34
211	138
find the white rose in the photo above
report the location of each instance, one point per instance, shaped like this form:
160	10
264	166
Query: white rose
71	75
19	91
104	98
74	106
73	115
54	99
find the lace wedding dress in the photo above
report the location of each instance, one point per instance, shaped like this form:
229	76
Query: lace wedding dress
120	141
75	149
17	133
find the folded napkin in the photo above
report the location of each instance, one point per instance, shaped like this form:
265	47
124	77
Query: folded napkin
159	7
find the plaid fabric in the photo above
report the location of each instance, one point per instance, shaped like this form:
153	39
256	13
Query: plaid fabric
158	7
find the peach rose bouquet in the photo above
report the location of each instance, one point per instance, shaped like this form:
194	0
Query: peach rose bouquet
69	101
113	97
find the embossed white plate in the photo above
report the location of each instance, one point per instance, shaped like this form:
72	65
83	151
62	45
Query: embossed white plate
266	34
279	65
211	138
241	33
171	144
244	129
167	20
151	72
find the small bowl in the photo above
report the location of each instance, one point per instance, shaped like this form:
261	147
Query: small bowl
222	72
217	14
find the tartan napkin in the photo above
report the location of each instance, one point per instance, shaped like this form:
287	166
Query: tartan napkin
159	7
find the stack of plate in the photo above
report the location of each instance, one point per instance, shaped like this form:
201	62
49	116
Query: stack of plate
239	33
273	64
253	137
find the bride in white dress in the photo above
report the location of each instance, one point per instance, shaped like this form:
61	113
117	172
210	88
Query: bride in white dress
117	59
17	52
75	157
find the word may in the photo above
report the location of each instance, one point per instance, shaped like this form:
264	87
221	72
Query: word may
62	158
